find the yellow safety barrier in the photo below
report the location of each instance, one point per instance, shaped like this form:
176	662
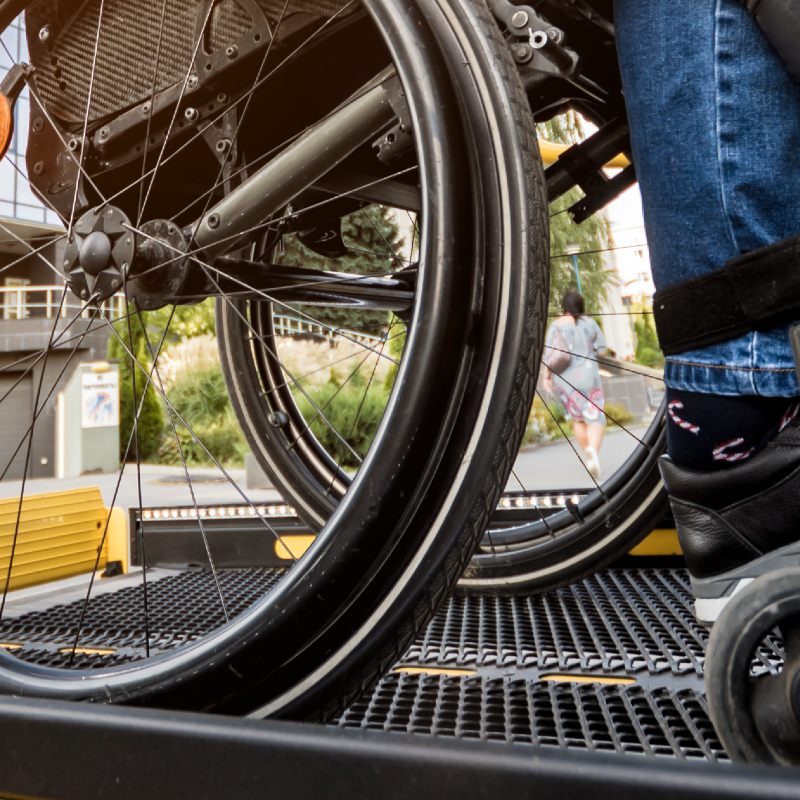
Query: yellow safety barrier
58	536
551	151
661	542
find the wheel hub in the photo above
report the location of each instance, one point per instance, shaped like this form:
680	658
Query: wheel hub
99	253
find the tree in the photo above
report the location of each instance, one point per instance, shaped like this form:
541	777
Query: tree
648	350
151	419
590	236
374	242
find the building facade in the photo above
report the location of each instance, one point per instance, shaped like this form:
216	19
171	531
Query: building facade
34	310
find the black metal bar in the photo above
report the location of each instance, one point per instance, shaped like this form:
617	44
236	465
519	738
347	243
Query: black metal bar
236	539
254	280
65	751
296	168
582	161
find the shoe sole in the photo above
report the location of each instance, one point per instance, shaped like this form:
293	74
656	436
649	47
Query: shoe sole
713	594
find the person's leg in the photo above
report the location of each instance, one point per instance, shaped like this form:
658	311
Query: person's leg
715	128
595	433
581	435
715	132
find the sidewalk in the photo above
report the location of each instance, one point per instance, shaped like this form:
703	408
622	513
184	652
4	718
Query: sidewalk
160	486
543	468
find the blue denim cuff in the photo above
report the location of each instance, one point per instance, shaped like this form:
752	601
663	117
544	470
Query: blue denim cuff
759	363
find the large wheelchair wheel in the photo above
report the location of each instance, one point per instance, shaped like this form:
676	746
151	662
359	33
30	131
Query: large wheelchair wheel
455	154
595	529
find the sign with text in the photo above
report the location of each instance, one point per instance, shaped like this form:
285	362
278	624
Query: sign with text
100	399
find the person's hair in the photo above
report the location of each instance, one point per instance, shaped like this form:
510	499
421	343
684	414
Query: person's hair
573	304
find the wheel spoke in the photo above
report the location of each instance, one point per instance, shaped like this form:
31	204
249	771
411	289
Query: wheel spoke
89	98
168	403
174	431
18	519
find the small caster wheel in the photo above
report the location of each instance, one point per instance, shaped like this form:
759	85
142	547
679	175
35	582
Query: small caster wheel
757	718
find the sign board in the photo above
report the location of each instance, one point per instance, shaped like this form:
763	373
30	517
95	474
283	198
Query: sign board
100	399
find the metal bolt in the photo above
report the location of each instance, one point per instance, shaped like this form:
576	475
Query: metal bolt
66	262
38	167
73	144
232	51
213	221
38	124
538	39
44	33
522	53
223	145
222	98
84	294
519	19
116	283
103	134
191	114
145	109
128	240
277	419
556	35
192	82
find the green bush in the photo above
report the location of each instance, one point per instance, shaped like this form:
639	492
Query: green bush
546	423
616	413
150	427
353	407
201	399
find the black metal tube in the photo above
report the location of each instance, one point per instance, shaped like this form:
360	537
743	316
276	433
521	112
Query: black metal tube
296	168
256	281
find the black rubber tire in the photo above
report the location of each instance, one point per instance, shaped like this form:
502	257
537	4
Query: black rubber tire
386	559
543	555
753	716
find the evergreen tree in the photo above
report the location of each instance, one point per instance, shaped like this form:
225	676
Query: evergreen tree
590	236
375	244
151	419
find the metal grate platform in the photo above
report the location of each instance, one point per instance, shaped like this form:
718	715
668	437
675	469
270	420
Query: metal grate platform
181	608
611	663
622	719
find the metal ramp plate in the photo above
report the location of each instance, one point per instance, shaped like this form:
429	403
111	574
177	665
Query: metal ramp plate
611	663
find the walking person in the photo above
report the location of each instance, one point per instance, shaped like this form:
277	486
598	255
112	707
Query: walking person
572	375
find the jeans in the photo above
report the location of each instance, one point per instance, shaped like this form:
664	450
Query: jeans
715	129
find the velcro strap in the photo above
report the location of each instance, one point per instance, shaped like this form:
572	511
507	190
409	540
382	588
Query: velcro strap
756	291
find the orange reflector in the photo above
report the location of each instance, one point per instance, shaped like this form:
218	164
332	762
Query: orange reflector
449	672
6	124
290	548
606	680
10	646
88	651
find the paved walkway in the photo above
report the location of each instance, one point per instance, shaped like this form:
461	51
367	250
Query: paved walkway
552	466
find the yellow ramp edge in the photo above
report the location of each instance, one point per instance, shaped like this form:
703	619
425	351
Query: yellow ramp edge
661	542
551	151
58	536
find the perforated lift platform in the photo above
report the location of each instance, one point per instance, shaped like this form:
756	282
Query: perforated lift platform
593	690
612	663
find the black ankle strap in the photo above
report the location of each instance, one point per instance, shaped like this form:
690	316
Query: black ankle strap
755	291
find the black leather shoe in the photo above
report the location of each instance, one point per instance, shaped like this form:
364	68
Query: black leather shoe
738	523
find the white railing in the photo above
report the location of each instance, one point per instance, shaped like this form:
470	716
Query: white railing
44	302
285	325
